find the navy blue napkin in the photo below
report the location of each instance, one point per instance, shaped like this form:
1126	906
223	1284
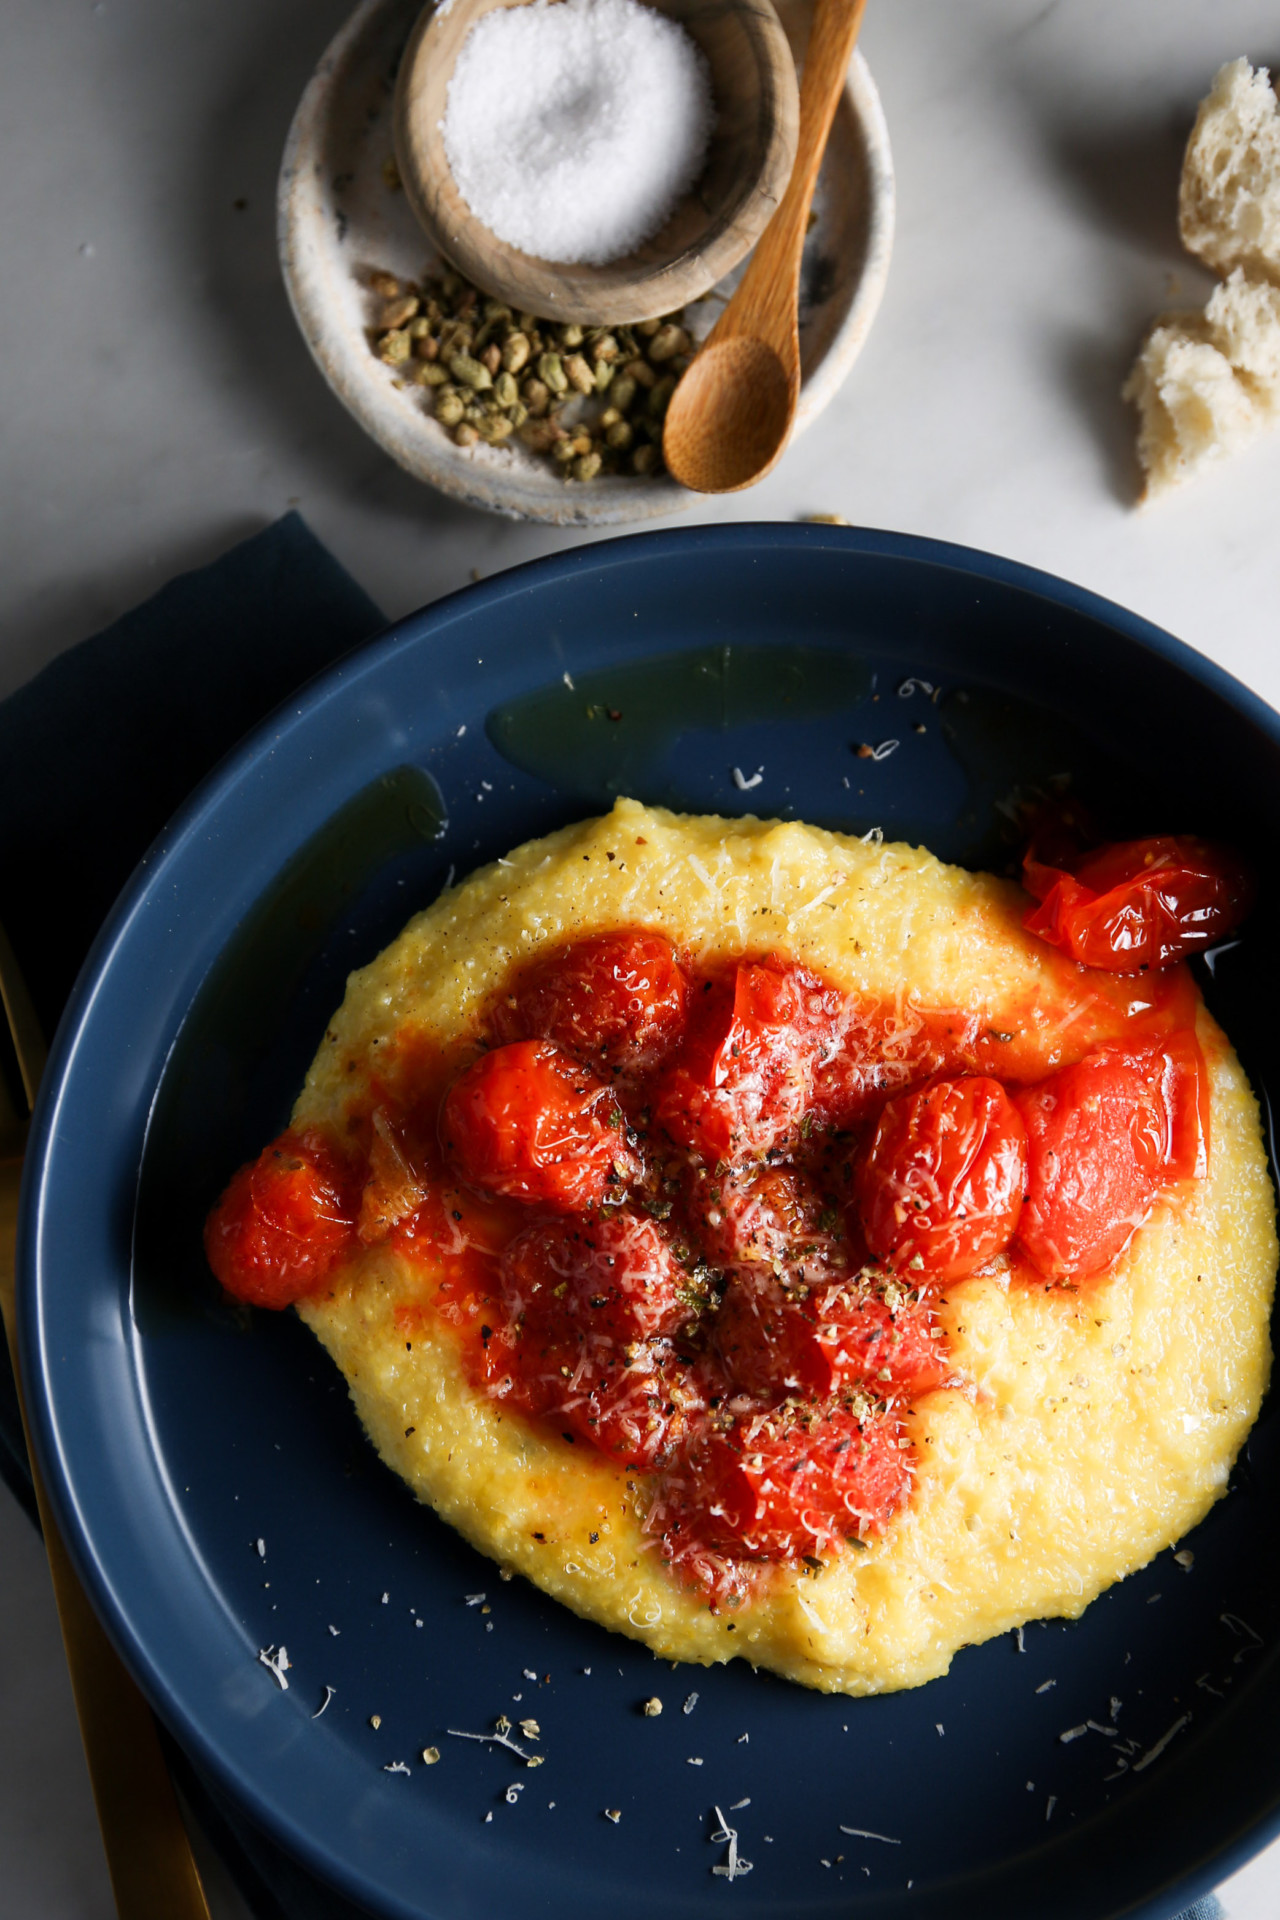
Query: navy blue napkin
95	754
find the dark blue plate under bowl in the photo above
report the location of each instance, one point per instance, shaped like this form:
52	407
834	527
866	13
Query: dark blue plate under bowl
216	1490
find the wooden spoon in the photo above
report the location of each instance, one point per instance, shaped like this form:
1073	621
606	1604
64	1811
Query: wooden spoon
732	413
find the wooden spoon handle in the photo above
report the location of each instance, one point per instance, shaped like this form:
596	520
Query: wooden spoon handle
764	303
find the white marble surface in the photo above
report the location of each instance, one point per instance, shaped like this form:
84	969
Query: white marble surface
157	404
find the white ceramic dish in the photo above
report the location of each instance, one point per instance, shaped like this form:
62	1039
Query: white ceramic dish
339	217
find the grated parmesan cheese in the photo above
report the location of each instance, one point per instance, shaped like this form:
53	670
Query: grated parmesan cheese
276	1662
733	1866
1153	1753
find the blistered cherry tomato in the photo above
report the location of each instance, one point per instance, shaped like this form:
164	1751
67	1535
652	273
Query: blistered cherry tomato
615	999
637	1408
741	1081
532	1123
940	1185
589	1305
881	1048
1139	903
614	1278
775	1217
1103	1137
776	1340
283	1223
779	1488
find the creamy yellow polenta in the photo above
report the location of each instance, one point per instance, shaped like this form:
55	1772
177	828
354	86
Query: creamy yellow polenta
1096	1427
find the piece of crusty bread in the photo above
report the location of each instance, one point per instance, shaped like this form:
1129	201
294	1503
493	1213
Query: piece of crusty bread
1244	324
1206	384
1193	408
1229	201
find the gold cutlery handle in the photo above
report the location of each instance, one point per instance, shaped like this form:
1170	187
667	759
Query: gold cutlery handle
153	1872
24	1027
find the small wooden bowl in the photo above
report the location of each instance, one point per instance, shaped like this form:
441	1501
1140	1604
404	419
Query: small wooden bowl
749	160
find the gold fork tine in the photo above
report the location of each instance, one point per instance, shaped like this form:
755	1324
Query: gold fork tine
153	1872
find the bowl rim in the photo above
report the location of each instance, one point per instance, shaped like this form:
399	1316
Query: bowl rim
197	817
607	294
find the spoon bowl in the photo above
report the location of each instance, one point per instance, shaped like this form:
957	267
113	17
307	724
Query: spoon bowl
748	431
749	159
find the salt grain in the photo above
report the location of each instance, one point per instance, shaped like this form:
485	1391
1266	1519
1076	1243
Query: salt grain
573	129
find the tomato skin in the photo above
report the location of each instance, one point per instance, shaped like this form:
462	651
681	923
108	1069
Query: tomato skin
771	1216
590	1306
617	1000
777	1490
741	1081
1103	1136
283	1222
614	1278
939	1187
394	1189
1184	1080
1136	904
775	1340
530	1122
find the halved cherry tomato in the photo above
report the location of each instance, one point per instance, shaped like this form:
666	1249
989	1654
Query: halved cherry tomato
741	1081
283	1223
531	1122
940	1185
1139	903
777	1488
1103	1137
776	1340
615	999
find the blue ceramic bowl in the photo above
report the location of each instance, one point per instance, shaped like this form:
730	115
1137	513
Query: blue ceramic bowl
176	1434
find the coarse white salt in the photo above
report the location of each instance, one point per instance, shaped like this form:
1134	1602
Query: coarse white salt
573	127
